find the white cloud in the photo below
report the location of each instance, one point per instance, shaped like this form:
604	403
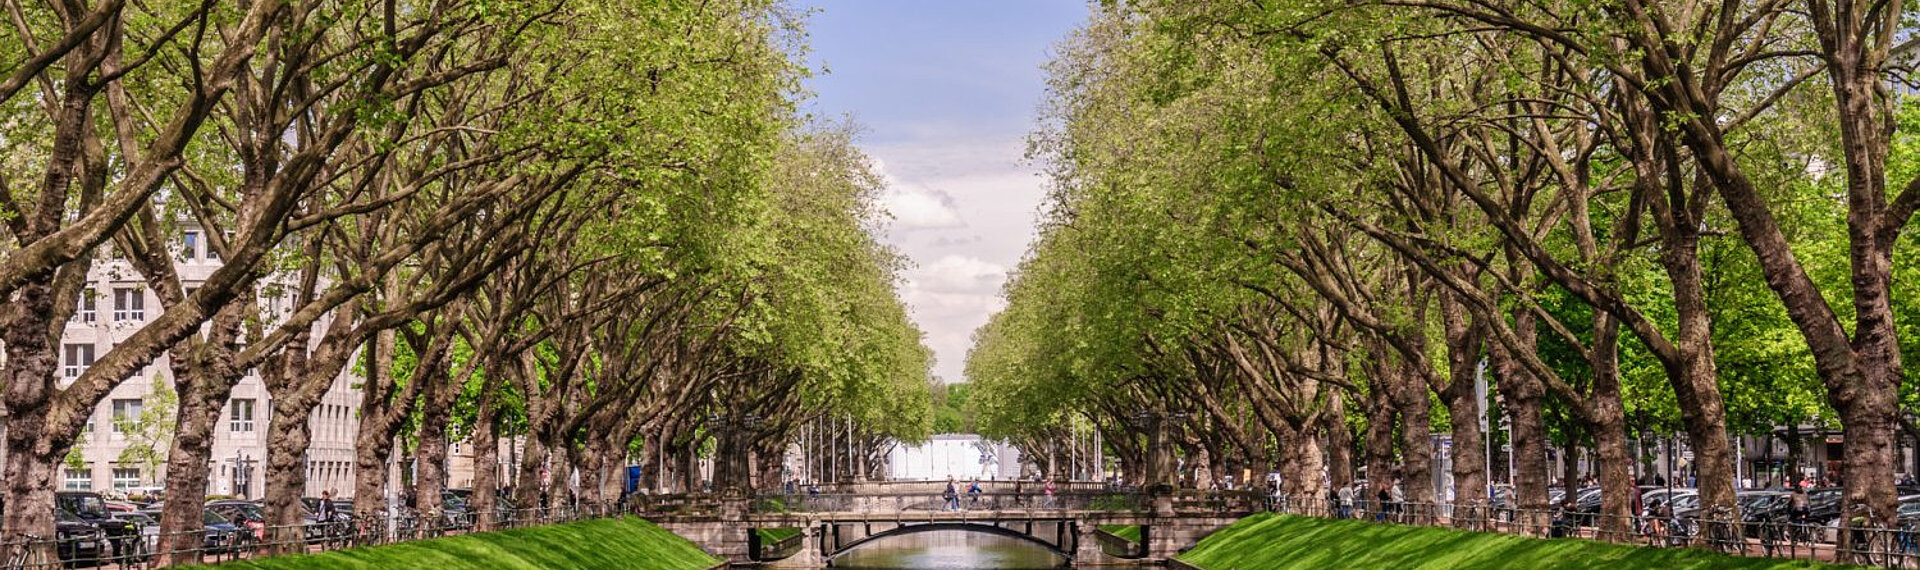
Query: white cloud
958	274
921	208
964	236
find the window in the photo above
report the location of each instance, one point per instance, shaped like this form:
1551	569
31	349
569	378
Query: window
189	244
125	409
78	357
125	478
129	304
85	312
240	414
79	479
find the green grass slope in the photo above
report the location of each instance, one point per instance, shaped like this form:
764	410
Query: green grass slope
1127	531
605	543
1273	542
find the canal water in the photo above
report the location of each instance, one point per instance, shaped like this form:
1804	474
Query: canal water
949	550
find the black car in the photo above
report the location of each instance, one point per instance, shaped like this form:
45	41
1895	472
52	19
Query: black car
1823	504
1765	506
222	535
123	536
244	514
79	542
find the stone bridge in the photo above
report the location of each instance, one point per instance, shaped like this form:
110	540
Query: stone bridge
815	529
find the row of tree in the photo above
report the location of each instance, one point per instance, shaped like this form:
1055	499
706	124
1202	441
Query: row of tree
601	227
1298	230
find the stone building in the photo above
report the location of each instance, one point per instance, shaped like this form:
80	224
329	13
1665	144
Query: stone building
115	304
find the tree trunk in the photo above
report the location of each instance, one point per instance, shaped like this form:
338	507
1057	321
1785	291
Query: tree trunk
1339	441
190	457
486	466
1694	377
533	461
288	434
33	454
1302	463
1416	440
1382	464
1617	491
431	451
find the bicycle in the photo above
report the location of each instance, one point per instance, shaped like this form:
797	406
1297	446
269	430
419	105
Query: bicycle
19	553
1723	535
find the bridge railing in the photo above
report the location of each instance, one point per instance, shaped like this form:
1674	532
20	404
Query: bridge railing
1764	534
1205	502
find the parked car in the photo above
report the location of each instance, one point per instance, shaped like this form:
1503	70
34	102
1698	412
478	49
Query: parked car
123	536
1823	504
149	527
1764	506
222	535
78	541
1586	506
245	514
1908	513
453	511
315	527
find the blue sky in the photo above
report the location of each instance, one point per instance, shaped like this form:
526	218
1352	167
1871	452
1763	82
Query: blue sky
946	93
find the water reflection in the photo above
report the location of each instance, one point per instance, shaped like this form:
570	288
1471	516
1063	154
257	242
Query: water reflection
950	550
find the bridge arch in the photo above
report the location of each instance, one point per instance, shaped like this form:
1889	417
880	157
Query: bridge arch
966	526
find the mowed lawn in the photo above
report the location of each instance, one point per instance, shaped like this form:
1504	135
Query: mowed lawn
1274	542
605	543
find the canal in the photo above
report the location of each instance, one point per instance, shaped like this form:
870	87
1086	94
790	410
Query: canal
949	550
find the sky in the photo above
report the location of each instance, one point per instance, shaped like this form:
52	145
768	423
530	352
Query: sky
946	92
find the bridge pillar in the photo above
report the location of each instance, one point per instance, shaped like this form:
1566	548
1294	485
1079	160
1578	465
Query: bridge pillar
809	555
1086	546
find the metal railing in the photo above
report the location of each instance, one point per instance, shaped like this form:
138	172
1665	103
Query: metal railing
213	545
1765	536
1191	502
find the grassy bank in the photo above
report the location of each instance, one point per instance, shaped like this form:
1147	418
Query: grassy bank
1273	542
605	543
1127	531
773	535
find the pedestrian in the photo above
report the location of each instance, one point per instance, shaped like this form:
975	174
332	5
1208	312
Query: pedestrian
1346	501
1397	498
1798	506
973	493
951	496
1383	502
1049	494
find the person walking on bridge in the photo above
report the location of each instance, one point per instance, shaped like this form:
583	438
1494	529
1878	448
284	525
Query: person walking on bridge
950	497
973	493
1049	495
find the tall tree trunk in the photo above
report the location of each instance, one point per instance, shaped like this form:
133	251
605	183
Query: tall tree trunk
1464	341
1416	439
1524	395
189	463
1302	464
33	454
1339	441
1617	490
288	435
431	475
1382	463
486	462
1696	381
533	462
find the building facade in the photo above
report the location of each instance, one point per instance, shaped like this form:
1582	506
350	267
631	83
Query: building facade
114	305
